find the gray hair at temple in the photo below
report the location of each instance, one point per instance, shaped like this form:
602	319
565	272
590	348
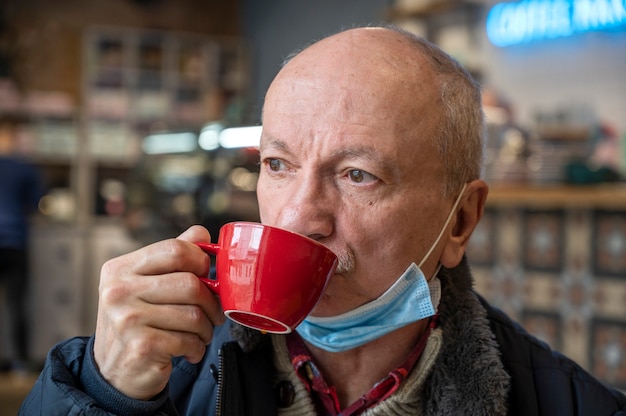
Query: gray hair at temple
459	135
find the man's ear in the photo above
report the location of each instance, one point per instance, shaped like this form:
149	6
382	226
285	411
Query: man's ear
469	213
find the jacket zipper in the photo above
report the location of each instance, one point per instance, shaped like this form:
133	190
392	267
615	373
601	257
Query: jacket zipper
220	382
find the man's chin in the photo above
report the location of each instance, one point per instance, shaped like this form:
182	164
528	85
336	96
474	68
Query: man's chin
332	305
325	307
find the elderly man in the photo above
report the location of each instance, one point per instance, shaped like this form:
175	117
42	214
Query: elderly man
371	145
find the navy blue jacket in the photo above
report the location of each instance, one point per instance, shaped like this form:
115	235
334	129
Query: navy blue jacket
523	376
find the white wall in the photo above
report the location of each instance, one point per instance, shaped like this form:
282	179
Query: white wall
275	28
583	69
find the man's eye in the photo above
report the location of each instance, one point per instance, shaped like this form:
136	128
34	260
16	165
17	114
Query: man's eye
360	176
274	164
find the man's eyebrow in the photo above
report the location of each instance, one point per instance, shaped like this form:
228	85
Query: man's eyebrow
272	143
360	152
367	153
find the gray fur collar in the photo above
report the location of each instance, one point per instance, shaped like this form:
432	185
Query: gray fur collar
468	377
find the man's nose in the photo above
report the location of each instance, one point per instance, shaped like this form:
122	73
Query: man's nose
309	209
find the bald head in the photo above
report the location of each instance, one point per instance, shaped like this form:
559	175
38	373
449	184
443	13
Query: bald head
387	73
376	54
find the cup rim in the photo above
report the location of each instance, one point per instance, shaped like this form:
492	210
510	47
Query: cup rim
286	327
284	230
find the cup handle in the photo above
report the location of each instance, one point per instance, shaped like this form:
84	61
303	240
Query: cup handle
212	249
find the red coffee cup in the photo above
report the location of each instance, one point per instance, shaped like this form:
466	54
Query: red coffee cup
268	278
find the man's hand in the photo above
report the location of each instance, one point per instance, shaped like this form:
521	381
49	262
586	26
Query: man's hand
153	307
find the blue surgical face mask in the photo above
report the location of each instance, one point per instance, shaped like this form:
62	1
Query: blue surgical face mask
409	299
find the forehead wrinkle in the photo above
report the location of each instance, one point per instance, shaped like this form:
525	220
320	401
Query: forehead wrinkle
339	102
282	91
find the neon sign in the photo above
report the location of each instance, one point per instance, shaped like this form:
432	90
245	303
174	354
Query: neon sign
529	20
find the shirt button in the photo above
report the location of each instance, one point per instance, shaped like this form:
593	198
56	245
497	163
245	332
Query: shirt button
285	393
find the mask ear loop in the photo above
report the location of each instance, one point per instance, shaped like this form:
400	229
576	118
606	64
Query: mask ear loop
443	229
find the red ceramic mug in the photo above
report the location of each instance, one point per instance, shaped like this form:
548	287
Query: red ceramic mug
268	278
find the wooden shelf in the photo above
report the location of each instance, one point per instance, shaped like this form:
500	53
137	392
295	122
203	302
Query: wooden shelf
604	196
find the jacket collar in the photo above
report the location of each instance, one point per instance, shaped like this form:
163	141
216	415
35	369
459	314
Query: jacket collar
468	377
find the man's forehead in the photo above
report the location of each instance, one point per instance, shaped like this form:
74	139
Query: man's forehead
363	48
321	89
375	61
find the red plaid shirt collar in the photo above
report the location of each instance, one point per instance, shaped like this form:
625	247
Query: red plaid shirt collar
325	396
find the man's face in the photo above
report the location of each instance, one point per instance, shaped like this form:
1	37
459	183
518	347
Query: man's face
346	159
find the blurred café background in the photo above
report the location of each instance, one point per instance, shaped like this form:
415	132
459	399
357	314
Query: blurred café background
138	115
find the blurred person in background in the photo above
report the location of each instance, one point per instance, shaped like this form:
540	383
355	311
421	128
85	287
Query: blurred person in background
20	190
